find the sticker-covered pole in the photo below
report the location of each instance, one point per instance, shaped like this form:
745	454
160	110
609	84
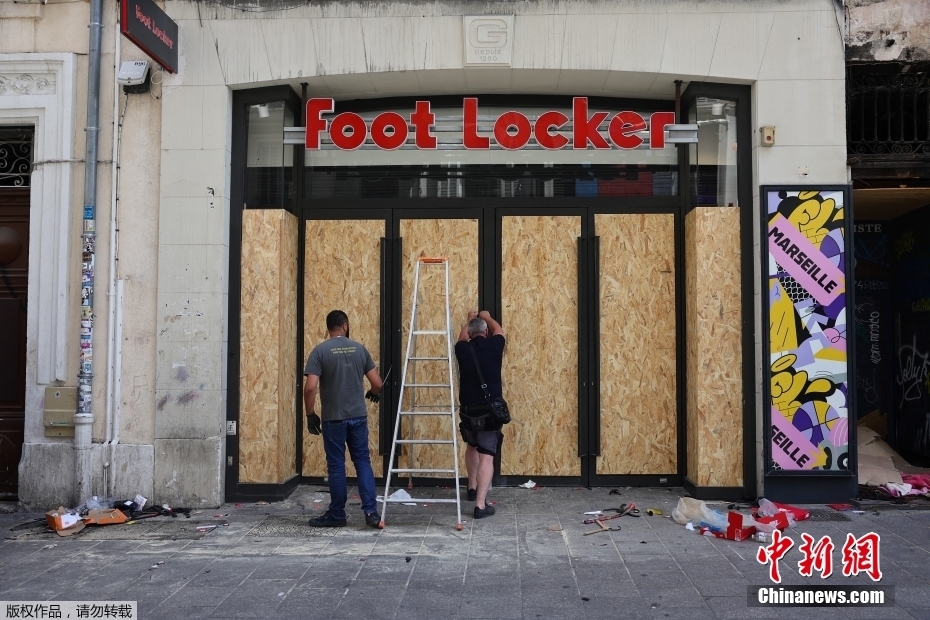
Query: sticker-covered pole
84	416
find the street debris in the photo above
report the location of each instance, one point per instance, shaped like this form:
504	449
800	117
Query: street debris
529	484
554	528
654	511
399	494
695	515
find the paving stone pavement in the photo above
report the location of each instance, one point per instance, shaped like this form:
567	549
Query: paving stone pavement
530	560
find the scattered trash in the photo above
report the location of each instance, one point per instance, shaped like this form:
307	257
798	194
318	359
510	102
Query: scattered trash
614	492
594	512
690	509
139	503
585	598
401	494
110	516
261	503
160	562
762	537
65	522
858	512
554	528
407	559
220	516
643	542
280	593
529	484
689	526
317	501
654	511
601	527
52	546
206	528
841	507
153	566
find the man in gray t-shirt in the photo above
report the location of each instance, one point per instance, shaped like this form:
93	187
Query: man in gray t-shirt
335	368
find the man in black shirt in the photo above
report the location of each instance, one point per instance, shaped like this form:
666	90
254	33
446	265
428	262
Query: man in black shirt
481	338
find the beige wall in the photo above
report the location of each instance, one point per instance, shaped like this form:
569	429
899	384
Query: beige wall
39	30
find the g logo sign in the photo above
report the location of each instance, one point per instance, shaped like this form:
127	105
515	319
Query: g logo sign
489	40
487	32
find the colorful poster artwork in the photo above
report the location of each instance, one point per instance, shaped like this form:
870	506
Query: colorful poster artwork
807	330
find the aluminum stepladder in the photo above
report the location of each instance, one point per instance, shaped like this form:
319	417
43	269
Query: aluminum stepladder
445	408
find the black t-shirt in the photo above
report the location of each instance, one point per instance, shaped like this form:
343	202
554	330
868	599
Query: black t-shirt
490	353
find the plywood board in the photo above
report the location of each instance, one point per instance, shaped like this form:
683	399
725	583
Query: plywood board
539	298
267	346
342	271
638	382
714	347
456	239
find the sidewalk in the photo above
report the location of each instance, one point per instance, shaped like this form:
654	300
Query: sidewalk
530	560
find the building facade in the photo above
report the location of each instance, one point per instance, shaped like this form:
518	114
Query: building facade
631	273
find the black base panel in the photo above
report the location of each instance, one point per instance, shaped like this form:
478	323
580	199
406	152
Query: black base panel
811	488
260	492
725	493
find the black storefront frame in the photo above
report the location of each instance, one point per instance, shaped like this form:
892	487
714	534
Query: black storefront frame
742	96
490	256
810	487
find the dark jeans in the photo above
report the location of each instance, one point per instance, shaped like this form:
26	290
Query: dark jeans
354	434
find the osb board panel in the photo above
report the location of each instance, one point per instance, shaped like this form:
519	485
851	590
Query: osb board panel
287	345
638	381
456	239
261	394
342	271
714	356
539	298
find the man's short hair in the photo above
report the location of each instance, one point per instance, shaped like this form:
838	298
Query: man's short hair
336	319
476	326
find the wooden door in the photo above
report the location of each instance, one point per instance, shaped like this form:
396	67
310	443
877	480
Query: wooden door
342	271
456	239
638	344
14	270
539	311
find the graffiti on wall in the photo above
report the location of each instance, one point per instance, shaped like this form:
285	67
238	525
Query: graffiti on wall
807	330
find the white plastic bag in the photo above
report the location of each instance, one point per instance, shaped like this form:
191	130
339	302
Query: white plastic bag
690	509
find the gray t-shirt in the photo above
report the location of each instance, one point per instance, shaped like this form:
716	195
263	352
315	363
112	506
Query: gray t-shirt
340	363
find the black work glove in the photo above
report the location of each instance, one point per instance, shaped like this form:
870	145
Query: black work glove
375	398
313	424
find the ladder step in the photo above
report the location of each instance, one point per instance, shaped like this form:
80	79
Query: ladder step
425	500
430	332
422	471
425	413
426	441
428	359
426	385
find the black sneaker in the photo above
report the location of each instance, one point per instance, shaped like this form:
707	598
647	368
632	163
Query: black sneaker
373	519
472	494
326	520
487	511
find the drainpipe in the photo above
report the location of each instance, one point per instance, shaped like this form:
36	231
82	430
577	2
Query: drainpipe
114	297
84	417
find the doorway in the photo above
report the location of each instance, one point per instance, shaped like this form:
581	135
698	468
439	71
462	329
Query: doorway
15	167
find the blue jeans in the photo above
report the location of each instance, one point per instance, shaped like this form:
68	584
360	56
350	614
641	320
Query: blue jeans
336	436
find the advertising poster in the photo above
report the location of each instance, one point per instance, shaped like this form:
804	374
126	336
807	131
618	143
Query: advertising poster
809	366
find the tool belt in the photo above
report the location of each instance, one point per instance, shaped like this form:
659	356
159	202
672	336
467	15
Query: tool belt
475	423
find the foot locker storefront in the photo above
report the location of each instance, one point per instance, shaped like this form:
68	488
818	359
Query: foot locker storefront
610	249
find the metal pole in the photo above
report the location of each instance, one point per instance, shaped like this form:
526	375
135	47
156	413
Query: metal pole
84	416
